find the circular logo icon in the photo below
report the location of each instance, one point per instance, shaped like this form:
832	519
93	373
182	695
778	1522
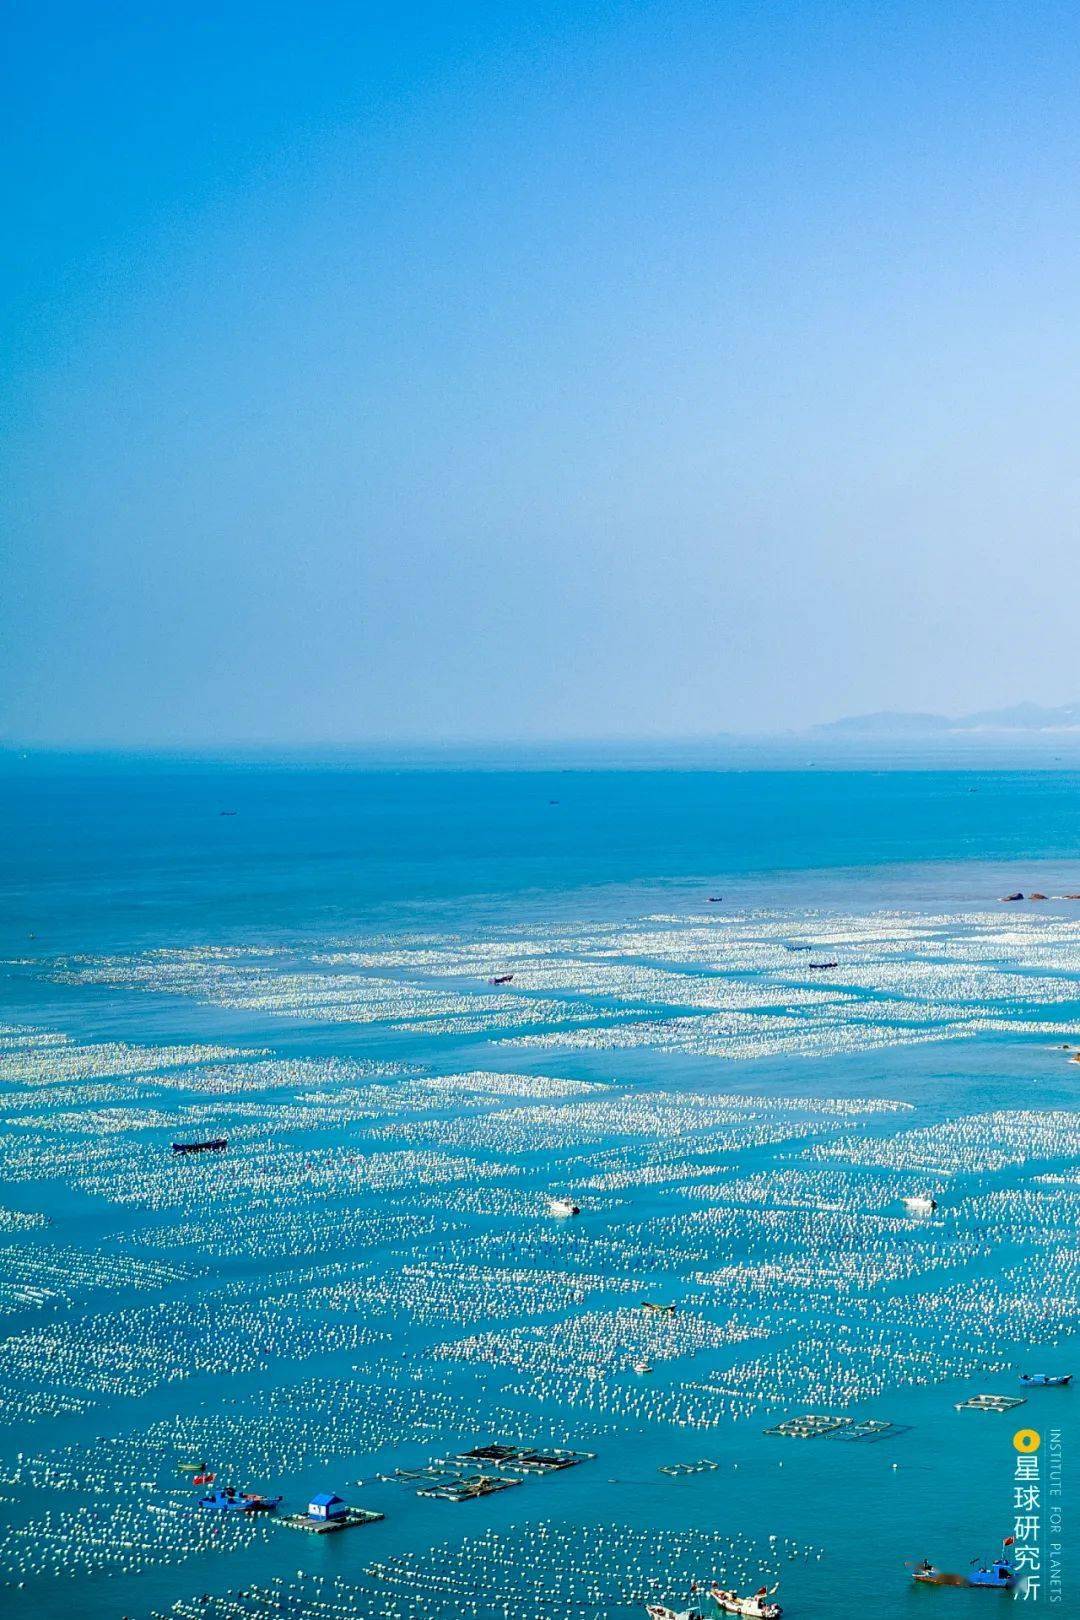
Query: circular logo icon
1027	1440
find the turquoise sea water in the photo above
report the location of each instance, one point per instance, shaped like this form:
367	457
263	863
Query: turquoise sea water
298	959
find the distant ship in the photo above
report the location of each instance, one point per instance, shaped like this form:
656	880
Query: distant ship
216	1144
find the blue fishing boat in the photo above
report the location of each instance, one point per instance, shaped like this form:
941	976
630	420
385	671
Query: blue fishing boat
227	1500
1045	1380
998	1573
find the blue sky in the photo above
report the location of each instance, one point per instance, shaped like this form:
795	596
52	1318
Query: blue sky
384	373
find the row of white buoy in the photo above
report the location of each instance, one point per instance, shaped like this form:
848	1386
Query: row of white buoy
130	1351
970	1144
123	1538
745	1269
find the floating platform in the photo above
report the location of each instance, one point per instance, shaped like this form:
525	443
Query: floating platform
815	1426
469	1487
704	1465
484	1470
870	1429
348	1520
529	1459
809	1427
550	1462
991	1403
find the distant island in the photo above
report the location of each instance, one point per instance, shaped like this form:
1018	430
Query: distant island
1023	718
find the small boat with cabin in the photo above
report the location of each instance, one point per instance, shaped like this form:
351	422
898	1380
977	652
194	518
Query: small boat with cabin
563	1207
227	1500
998	1573
1045	1380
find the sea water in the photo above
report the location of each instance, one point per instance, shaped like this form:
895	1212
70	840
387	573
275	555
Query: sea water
298	958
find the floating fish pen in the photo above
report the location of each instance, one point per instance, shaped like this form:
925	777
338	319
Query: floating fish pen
348	1520
870	1429
811	1426
991	1403
704	1465
428	1474
529	1460
468	1487
815	1427
489	1454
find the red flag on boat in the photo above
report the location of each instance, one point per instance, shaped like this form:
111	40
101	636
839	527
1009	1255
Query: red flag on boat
1009	1541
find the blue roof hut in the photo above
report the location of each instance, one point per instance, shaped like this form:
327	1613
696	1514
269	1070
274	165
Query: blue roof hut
327	1505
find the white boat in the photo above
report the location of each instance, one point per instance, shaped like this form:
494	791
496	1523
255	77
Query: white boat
757	1605
643	1366
920	1204
658	1611
563	1206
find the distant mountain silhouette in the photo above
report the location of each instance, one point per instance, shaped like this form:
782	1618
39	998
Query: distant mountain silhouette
1022	717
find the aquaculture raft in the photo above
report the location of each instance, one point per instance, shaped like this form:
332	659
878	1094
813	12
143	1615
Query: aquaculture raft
814	1426
469	1487
348	1520
990	1403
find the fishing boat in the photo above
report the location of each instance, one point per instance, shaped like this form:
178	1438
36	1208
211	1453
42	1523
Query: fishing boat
820	967
563	1206
659	1611
1045	1380
227	1500
756	1605
216	1144
502	978
643	1366
998	1573
920	1204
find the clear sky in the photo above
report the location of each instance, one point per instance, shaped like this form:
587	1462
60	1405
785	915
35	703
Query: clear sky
502	371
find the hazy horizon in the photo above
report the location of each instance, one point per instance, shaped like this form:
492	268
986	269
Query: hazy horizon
535	375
